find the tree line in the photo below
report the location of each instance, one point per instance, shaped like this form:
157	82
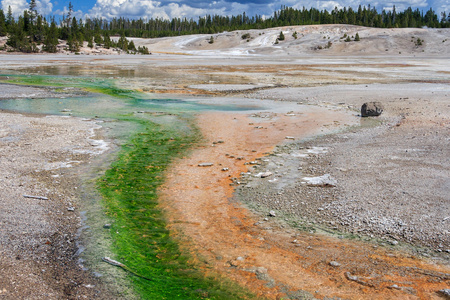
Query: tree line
31	29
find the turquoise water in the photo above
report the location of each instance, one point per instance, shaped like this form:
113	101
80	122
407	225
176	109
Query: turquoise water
106	100
104	106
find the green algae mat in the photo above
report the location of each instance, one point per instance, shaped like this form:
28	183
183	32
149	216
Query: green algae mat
154	263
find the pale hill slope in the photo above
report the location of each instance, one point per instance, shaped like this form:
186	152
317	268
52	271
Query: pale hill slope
311	40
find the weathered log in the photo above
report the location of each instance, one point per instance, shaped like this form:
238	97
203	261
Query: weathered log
36	197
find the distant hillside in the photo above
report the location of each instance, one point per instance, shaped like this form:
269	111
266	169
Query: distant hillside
33	33
309	40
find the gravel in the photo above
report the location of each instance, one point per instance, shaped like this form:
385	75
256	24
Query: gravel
38	243
391	174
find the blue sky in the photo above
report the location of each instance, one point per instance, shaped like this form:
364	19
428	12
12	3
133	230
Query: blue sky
195	8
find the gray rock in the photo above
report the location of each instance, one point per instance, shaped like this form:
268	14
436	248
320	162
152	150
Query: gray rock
272	213
266	174
445	293
323	181
371	109
334	264
205	164
351	277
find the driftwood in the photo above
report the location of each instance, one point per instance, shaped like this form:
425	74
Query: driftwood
36	197
121	265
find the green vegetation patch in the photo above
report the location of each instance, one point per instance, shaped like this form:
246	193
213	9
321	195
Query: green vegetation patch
141	240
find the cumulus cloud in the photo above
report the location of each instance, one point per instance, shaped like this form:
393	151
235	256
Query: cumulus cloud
17	6
167	10
43	7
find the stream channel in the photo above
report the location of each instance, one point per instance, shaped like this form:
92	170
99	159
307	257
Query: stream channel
145	132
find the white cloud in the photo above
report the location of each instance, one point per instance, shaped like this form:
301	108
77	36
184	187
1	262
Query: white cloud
44	7
155	9
17	6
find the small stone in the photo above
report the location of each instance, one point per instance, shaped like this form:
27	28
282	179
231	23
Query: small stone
107	226
321	181
265	174
334	264
351	277
205	164
394	286
71	208
272	213
225	169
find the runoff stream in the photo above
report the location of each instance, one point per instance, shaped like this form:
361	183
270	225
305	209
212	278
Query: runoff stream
149	133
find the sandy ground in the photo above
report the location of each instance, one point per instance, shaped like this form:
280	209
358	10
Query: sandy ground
392	172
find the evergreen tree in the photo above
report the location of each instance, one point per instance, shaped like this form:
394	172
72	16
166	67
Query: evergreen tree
122	43
51	39
357	37
33	11
98	38
131	46
9	17
90	43
107	41
3	30
281	36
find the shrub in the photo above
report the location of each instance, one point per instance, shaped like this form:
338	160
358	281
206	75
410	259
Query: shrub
143	50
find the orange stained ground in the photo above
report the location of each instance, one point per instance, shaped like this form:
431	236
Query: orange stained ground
219	231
